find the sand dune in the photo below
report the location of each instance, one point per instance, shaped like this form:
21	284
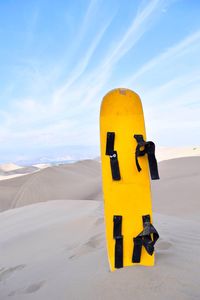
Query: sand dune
81	180
56	250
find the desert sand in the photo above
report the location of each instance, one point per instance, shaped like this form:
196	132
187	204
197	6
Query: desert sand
56	249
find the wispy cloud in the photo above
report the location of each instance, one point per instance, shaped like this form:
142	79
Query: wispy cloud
82	65
172	87
172	110
98	78
178	50
140	24
89	18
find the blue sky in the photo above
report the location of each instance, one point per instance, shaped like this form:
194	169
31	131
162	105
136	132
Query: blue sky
58	59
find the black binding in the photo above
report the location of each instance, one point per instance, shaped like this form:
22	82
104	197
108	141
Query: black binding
113	156
117	234
145	239
149	149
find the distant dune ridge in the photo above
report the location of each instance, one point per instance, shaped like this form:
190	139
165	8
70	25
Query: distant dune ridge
19	171
56	249
9	167
11	170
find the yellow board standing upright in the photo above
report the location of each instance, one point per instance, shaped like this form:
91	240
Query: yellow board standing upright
127	192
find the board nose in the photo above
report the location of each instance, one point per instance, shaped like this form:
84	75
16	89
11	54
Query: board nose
121	101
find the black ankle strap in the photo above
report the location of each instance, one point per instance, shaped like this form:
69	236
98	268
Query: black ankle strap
145	239
149	149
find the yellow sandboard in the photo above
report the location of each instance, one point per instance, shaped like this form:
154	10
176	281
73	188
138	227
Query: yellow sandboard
130	196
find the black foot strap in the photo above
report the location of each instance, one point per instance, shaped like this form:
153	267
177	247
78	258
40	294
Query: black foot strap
149	149
146	238
113	156
117	234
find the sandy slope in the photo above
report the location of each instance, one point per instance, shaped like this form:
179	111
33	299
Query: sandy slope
178	190
81	180
56	250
